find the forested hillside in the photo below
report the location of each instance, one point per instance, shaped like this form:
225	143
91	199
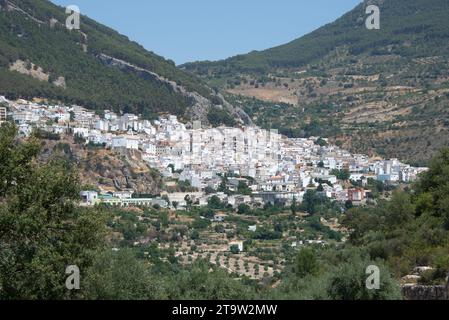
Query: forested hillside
94	66
413	29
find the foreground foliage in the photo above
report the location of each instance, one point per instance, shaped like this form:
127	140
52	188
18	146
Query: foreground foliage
42	231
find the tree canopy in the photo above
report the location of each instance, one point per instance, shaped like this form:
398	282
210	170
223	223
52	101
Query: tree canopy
42	230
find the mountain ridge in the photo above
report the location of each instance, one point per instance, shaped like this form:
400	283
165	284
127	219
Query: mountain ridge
336	33
33	32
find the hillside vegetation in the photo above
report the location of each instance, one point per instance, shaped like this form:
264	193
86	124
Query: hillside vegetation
95	66
43	230
412	29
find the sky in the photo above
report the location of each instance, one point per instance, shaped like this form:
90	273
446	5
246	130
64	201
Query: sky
193	30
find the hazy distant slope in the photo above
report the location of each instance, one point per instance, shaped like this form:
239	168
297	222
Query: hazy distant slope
413	27
375	91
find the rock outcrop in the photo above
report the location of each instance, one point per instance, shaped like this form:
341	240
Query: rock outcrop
200	105
420	292
106	169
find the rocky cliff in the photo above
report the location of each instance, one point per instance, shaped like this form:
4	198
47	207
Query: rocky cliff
107	170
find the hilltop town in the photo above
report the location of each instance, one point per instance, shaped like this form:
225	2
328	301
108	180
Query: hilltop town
248	194
270	167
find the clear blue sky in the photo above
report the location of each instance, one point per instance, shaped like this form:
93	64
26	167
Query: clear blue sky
191	30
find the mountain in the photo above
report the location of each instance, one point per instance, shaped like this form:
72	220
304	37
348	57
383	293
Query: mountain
408	28
383	92
95	67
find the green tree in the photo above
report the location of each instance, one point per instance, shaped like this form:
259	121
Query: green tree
348	282
311	201
165	221
400	209
214	202
188	201
321	142
243	208
197	282
294	206
42	230
305	263
341	174
121	276
433	188
223	187
244	189
234	249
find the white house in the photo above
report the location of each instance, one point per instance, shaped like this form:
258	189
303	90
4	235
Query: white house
132	142
149	148
123	194
89	197
118	142
102	125
127	142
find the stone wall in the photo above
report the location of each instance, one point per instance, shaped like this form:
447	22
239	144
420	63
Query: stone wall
419	292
